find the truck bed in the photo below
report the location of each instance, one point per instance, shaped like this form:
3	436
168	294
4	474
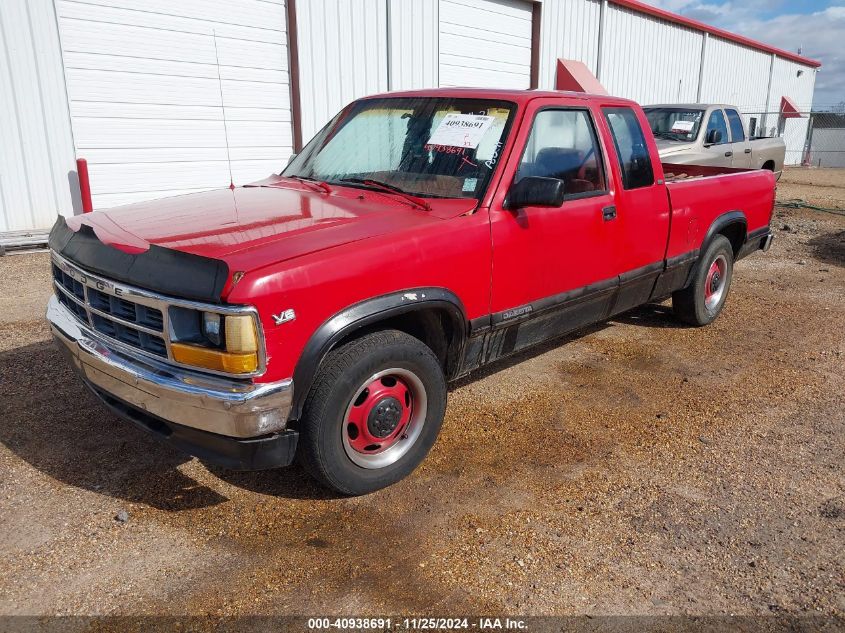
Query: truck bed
673	172
700	194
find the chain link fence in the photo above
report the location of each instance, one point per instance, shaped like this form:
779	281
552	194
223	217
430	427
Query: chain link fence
817	139
825	145
793	131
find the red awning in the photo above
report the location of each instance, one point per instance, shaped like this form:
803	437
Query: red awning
788	110
575	76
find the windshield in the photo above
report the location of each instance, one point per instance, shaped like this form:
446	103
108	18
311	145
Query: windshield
676	124
431	147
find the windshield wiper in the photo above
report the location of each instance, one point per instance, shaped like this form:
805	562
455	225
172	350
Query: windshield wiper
314	182
387	188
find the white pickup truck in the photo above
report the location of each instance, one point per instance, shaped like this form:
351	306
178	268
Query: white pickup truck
711	134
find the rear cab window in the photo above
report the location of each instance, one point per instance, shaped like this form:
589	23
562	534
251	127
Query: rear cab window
631	149
563	145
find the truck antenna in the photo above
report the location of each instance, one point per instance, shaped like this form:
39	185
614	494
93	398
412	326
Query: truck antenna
223	107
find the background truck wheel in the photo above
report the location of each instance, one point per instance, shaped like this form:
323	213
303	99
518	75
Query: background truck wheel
701	302
373	413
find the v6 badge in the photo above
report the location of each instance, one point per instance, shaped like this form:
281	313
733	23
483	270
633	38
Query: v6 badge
284	317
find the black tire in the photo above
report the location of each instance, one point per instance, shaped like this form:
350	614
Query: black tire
694	304
324	445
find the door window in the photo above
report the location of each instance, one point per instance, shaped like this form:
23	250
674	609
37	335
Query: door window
717	122
737	131
631	150
563	145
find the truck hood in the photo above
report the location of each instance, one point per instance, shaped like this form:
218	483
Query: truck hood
665	147
268	222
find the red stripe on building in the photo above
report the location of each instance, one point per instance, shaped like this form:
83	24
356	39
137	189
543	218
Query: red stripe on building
642	7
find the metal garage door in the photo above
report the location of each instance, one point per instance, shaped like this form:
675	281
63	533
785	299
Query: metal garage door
485	43
342	56
36	147
145	101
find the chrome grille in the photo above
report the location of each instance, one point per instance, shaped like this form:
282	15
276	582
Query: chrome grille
133	317
134	324
127	310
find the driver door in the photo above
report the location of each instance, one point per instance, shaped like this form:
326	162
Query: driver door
553	267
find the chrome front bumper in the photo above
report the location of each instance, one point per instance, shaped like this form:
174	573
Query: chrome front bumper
186	398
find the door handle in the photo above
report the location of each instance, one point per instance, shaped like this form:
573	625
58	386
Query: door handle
608	213
729	154
747	150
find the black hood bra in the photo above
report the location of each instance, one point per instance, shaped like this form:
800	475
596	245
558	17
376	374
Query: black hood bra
162	270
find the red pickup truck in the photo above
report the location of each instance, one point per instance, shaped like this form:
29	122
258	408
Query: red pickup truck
321	313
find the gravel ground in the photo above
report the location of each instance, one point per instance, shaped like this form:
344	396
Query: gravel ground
819	187
642	468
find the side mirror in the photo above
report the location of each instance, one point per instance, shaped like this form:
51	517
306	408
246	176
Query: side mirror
713	137
535	191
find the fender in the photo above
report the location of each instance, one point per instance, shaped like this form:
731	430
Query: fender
368	312
722	221
730	217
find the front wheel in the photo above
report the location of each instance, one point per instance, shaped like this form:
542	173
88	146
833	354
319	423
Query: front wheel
373	413
701	302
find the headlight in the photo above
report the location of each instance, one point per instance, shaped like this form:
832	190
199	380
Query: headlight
220	342
211	327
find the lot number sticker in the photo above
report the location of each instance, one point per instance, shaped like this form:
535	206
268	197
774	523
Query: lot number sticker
682	126
461	130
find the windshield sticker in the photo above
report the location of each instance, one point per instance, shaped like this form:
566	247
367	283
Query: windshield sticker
682	126
461	130
469	184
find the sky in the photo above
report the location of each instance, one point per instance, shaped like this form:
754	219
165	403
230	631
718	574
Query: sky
816	26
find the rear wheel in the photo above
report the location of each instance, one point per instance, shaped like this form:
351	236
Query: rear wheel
702	301
373	413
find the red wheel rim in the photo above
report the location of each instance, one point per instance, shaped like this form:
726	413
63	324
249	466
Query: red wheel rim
384	418
714	283
379	415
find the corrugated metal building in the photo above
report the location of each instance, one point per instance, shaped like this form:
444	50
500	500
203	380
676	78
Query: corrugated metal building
140	89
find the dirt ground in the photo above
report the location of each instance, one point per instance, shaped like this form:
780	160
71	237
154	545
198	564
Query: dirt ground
641	468
819	187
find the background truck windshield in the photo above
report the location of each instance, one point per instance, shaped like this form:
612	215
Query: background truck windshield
429	147
677	124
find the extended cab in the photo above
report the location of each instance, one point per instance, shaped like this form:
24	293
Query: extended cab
711	134
416	238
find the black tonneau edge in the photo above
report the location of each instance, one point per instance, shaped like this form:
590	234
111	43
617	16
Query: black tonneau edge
162	270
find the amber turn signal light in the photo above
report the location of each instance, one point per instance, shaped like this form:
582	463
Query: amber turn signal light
229	362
